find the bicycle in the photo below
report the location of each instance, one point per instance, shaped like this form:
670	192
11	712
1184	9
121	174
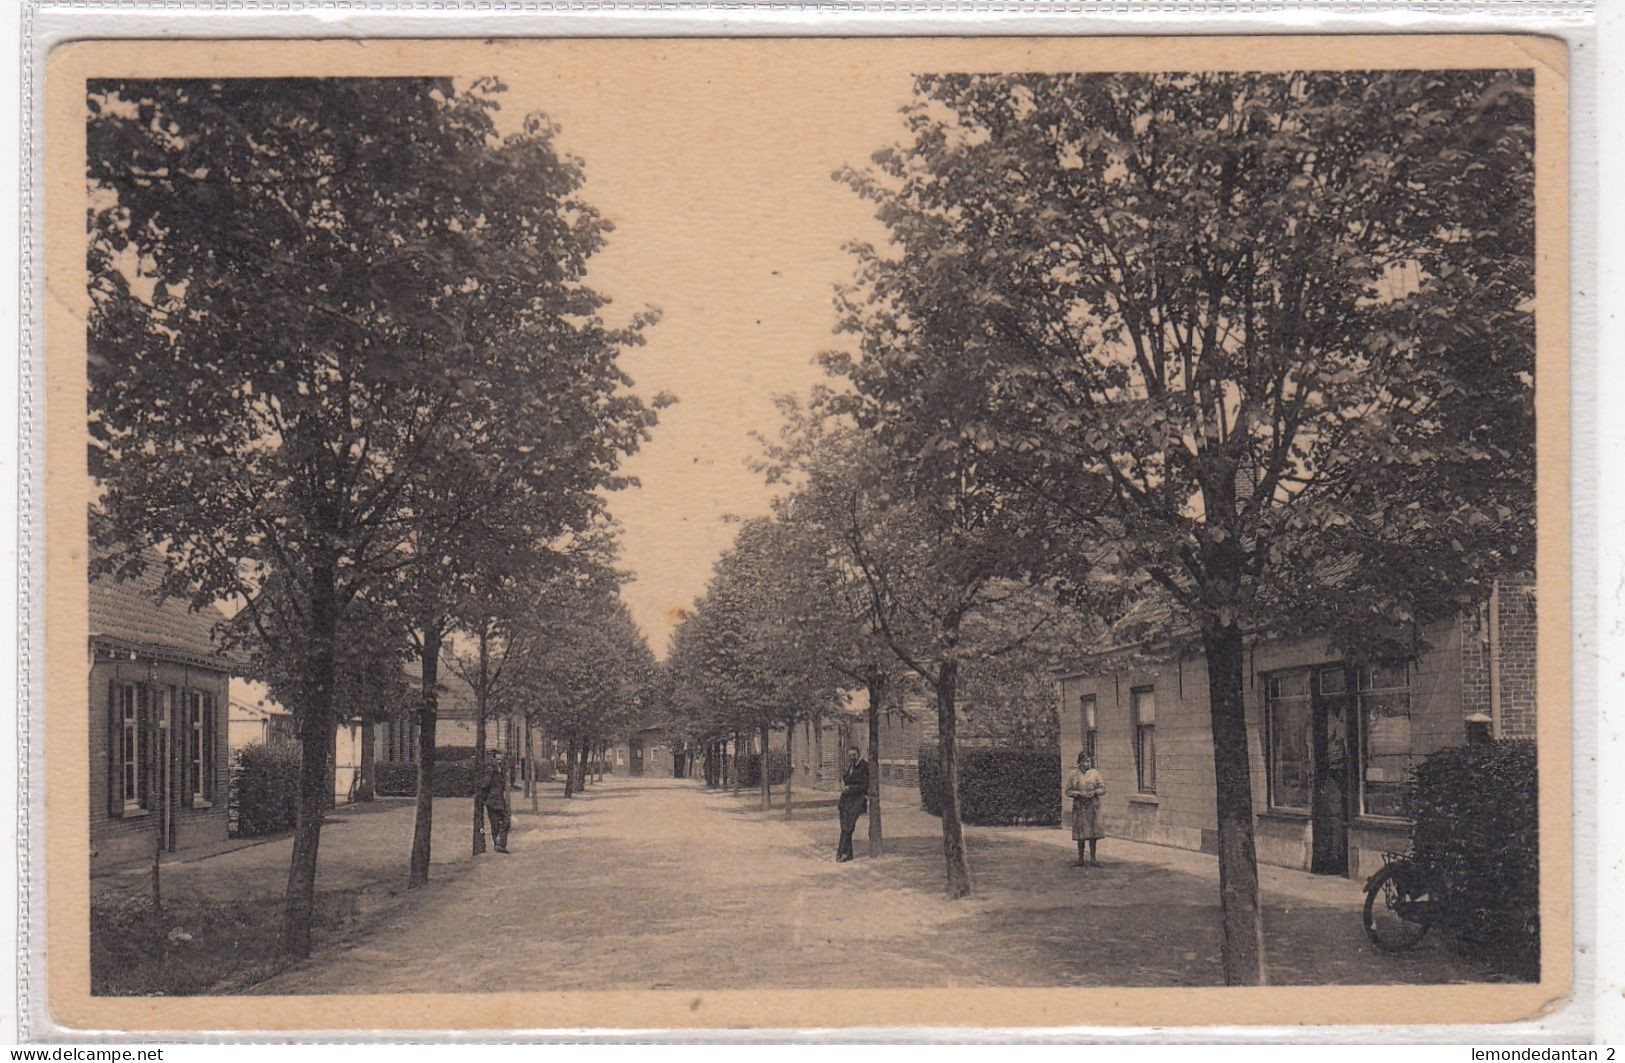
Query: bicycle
1400	904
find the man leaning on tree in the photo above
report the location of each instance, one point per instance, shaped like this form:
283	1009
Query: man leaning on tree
492	793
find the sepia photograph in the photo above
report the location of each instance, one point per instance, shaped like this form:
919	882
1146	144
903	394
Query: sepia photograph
807	532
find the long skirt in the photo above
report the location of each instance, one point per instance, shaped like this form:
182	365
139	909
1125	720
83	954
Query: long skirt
1086	819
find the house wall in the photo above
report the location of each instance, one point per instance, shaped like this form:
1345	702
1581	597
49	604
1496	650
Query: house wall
900	738
1515	630
116	839
396	739
1182	811
245	731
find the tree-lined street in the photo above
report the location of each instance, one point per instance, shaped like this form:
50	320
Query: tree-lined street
1247	354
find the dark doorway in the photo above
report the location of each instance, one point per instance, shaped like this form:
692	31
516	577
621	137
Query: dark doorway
1329	811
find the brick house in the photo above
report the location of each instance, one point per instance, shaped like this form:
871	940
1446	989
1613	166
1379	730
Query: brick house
905	721
1330	744
395	740
159	690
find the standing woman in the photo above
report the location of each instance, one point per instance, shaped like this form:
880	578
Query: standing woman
1085	787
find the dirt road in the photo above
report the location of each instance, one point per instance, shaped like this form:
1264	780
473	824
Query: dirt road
653	884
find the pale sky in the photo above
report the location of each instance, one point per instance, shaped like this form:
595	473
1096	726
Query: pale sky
717	177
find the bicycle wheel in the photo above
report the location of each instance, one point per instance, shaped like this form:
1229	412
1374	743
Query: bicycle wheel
1392	918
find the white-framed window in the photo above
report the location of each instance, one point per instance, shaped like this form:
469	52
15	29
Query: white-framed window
197	731
1289	729
1143	702
1386	753
128	708
1090	723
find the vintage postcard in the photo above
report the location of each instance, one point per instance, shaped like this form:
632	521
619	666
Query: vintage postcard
797	532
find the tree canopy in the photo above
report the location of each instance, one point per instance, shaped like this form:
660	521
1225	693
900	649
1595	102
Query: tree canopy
335	324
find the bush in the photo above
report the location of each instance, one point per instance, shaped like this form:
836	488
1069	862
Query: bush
446	754
264	794
998	786
451	778
778	768
1475	828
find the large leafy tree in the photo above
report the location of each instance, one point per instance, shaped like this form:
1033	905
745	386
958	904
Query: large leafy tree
825	468
931	540
313	300
1265	341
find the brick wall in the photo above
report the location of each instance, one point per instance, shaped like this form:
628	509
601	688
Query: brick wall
1182	811
117	838
1517	631
1516	623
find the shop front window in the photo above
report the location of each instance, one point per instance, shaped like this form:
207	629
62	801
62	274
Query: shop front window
1290	733
1386	752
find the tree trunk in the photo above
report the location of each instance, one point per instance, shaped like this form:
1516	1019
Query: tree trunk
1241	922
524	765
603	751
570	768
477	842
428	717
531	783
877	696
953	833
736	764
790	754
818	753
315	720
157	877
367	786
761	766
333	766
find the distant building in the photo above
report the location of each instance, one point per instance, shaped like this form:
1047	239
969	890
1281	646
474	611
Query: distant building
159	759
1330	745
256	721
256	718
646	751
906	720
456	716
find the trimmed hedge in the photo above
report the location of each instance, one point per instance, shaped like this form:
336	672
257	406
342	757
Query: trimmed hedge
1476	829
998	786
778	768
264	795
451	779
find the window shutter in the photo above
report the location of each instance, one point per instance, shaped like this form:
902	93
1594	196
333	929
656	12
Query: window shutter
143	737
188	769
115	737
208	747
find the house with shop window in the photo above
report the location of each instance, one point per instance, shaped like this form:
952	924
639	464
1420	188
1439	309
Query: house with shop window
1330	743
159	690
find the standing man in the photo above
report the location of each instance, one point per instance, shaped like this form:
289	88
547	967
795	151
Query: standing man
854	800
492	792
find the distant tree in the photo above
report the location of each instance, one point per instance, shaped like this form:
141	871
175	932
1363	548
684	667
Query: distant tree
1234	328
305	294
498	616
587	677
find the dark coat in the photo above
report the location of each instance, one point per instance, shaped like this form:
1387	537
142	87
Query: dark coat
854	800
493	786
